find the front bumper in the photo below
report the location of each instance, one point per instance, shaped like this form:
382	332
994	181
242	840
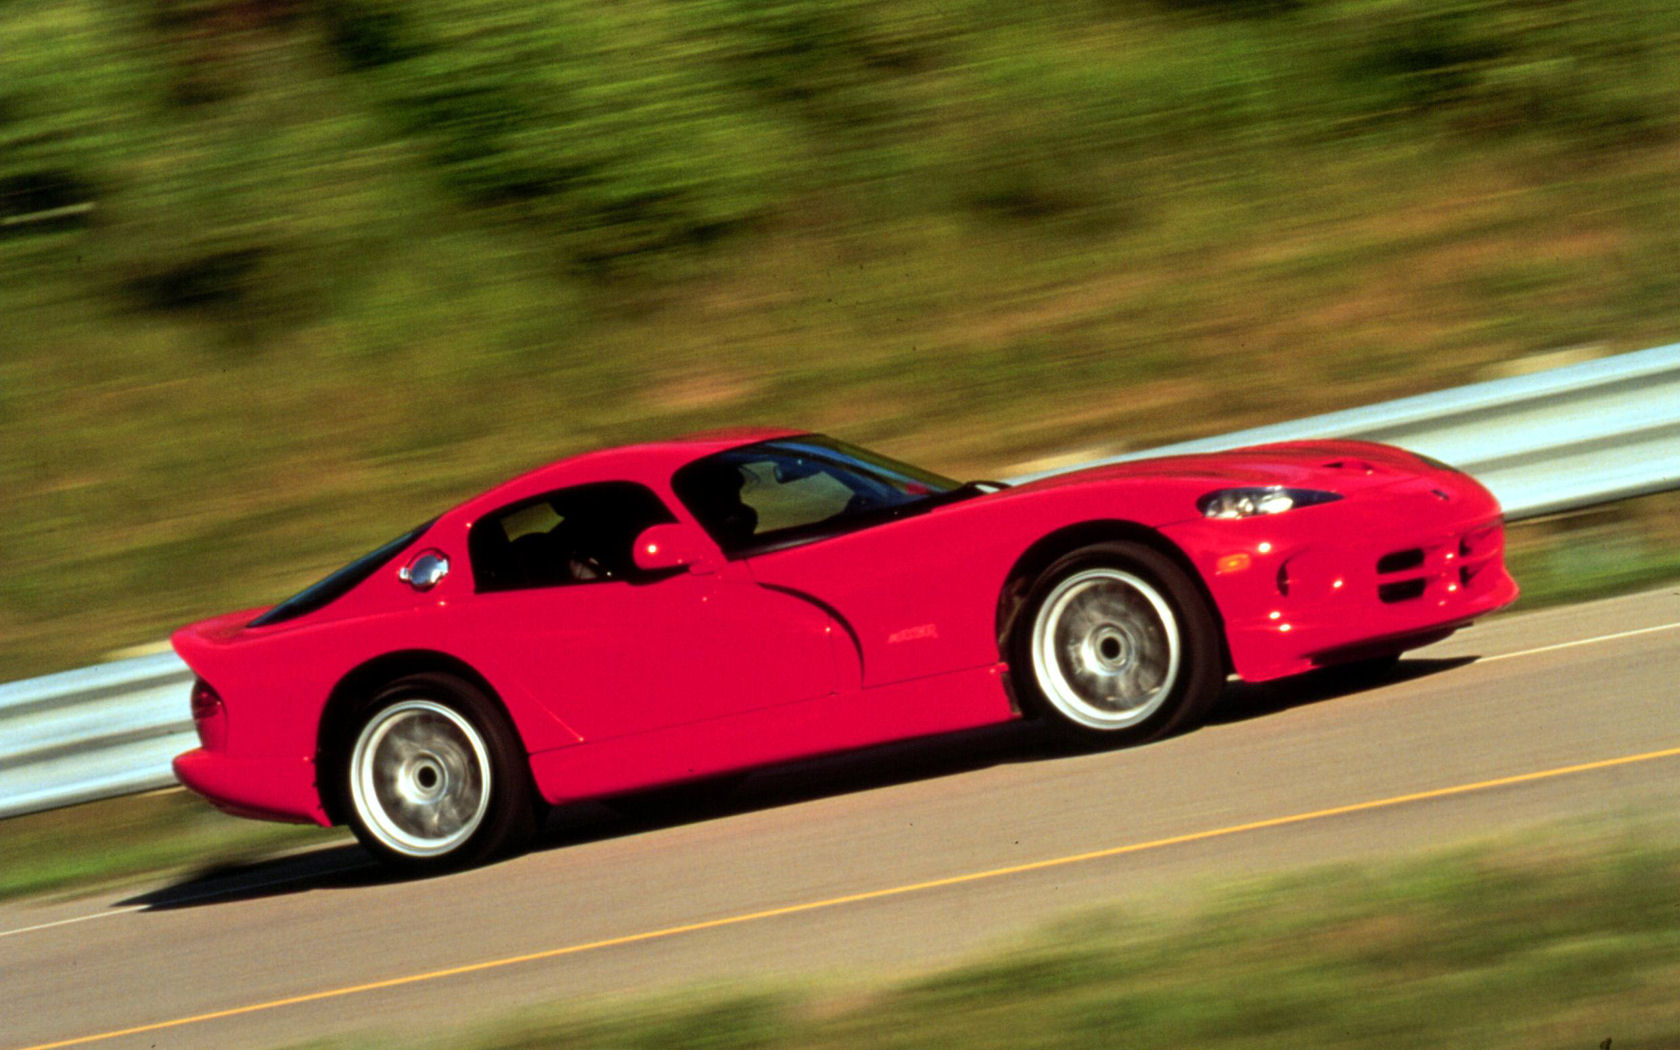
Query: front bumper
1329	584
263	788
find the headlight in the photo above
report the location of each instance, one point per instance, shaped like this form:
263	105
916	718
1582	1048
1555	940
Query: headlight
1246	503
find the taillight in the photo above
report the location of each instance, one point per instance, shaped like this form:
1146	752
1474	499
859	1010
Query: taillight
205	702
209	716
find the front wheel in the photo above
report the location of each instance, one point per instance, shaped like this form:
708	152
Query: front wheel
435	778
1116	645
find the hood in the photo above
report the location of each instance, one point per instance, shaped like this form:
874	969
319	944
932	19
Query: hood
1340	466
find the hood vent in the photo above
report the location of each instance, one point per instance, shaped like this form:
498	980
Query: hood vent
1358	466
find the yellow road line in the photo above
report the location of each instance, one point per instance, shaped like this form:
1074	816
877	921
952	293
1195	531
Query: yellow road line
853	898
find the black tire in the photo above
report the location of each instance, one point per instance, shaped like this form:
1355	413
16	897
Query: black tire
1115	645
433	777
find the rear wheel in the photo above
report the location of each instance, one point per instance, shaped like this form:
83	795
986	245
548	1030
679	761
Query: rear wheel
1115	645
435	777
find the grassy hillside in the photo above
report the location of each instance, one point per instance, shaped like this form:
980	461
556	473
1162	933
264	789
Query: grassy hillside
280	277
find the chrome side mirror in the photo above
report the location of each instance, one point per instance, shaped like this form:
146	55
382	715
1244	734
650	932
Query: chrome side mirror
425	570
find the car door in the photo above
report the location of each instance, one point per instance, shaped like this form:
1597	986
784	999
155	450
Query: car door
614	651
865	537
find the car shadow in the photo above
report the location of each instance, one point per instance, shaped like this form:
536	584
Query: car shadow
341	866
1243	700
346	866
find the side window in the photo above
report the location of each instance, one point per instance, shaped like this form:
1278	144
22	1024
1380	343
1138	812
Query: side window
784	499
582	534
796	488
743	495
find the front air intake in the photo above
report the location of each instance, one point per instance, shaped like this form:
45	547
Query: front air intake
1400	561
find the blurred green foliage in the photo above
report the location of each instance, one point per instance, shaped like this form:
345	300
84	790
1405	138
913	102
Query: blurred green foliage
625	131
279	276
602	129
1595	553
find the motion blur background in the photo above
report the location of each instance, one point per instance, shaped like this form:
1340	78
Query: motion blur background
280	278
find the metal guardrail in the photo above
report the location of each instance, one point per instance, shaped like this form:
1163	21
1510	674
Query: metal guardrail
98	732
1569	437
1551	441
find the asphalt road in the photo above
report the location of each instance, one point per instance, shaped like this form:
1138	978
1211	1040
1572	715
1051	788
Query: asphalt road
870	865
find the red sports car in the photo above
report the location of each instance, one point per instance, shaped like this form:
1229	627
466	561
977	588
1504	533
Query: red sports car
664	612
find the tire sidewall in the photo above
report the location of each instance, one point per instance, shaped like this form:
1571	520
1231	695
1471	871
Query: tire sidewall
509	818
1200	674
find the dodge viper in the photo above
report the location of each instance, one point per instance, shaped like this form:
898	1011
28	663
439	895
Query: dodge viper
642	616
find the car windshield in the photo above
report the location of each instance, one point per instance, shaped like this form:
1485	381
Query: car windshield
790	490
